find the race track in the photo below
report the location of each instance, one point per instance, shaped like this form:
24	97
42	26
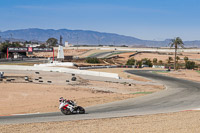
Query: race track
179	95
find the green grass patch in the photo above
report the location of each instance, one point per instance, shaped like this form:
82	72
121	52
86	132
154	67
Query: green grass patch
160	71
92	55
198	71
142	93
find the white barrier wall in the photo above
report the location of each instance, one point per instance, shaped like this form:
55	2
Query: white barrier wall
59	69
156	66
138	49
68	64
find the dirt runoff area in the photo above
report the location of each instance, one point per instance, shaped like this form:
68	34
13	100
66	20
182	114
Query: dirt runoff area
181	122
35	96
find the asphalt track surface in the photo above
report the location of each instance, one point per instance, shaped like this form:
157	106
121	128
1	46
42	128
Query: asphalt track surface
25	60
101	55
179	95
106	54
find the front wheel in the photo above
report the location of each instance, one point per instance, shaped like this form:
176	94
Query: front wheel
81	110
66	111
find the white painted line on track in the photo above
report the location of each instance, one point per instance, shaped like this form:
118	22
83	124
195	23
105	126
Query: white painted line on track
27	114
197	109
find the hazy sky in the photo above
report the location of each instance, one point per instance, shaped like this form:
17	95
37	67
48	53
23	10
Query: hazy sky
144	19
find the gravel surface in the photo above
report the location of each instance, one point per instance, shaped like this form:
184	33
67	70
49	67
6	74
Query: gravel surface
181	122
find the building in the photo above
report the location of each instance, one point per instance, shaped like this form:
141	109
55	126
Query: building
32	45
67	44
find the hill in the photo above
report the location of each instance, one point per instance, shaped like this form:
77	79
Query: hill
84	37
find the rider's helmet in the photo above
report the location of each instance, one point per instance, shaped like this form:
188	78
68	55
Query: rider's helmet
61	99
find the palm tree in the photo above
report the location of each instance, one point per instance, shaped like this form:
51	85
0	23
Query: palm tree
176	43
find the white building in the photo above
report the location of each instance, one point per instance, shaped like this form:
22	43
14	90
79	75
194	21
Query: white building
67	44
32	45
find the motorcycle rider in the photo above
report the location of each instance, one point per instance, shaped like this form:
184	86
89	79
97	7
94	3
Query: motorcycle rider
61	99
64	102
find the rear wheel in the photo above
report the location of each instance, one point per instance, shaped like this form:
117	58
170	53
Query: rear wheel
81	110
66	111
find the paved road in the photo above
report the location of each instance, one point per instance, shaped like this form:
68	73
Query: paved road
25	60
101	55
180	95
106	54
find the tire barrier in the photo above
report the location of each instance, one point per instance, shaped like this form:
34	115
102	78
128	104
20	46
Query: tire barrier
49	81
26	78
61	70
37	72
67	80
73	74
1	74
8	80
40	81
36	79
73	79
40	77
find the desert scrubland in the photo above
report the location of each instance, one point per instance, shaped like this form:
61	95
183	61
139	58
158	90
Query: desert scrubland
42	97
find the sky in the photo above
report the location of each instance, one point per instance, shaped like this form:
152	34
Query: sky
143	19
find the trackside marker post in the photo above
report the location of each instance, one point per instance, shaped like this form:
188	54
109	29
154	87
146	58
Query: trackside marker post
7	53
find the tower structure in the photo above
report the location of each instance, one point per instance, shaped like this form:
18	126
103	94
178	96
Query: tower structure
61	40
60	49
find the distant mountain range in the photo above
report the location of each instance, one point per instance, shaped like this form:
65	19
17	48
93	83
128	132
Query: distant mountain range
84	37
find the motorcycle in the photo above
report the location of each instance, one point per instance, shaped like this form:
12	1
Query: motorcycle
70	107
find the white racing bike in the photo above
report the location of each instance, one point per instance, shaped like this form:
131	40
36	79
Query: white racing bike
70	107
